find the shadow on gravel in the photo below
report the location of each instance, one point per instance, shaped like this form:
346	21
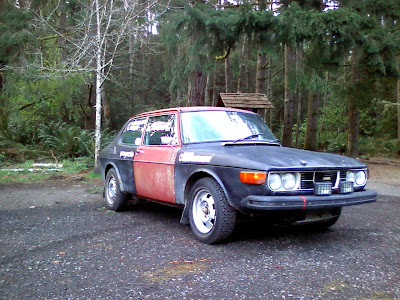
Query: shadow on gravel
247	229
251	230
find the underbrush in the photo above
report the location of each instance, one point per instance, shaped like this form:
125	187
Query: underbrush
32	172
59	144
13	152
55	141
371	146
335	142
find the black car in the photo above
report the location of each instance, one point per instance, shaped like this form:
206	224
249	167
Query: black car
215	162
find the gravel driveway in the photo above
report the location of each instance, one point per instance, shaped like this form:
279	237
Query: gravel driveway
57	241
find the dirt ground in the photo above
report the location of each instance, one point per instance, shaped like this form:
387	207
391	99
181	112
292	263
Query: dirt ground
58	241
384	170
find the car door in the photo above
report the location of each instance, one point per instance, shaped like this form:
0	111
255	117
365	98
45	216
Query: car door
128	142
154	161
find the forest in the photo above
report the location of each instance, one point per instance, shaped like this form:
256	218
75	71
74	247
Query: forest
73	71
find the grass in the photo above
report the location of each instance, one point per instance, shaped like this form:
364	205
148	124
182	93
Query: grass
22	177
26	172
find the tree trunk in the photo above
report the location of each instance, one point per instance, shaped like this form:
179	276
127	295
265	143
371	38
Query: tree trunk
398	99
324	100
260	76
208	91
310	142
269	90
2	64
246	78
352	134
353	113
88	106
216	91
299	100
99	70
62	25
4	116
228	76
198	87
179	97
299	115
288	105
242	67
131	57
106	107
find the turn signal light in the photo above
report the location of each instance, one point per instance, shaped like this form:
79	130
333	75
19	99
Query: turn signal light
253	177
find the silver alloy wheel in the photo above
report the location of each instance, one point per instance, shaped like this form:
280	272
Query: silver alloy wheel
203	211
111	190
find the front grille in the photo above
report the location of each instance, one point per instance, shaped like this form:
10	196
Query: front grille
308	178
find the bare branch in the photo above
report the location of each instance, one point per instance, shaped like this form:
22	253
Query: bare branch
224	56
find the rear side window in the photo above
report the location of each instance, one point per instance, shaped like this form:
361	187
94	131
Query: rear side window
132	133
161	130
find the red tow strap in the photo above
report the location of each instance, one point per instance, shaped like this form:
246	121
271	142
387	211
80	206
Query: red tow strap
304	201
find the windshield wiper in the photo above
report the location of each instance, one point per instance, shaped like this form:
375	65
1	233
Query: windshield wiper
252	136
273	142
258	142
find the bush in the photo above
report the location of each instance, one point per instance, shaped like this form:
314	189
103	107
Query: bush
392	146
367	145
83	163
66	141
13	152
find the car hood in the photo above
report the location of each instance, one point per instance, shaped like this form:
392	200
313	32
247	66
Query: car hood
263	157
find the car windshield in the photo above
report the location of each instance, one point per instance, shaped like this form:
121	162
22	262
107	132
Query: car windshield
209	126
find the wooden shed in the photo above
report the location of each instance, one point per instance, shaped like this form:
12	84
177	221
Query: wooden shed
247	101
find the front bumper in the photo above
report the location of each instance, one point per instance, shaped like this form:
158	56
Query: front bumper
307	201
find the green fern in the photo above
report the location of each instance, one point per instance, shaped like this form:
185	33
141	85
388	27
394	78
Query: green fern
65	140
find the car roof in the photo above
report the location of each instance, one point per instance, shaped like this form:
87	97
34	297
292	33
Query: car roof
191	109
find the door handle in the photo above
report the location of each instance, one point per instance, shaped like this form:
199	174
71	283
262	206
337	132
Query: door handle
139	152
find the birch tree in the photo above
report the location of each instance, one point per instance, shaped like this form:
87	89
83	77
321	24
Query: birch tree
102	32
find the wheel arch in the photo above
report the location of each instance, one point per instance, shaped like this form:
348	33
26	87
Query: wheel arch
111	165
193	178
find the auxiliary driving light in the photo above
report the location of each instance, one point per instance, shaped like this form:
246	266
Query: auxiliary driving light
322	188
346	187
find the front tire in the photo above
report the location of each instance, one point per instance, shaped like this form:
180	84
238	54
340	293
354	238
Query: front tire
115	199
212	219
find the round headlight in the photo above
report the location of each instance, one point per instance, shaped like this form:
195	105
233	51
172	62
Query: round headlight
274	181
350	176
289	181
360	177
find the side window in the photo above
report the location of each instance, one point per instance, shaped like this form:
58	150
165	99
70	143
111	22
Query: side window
161	130
133	132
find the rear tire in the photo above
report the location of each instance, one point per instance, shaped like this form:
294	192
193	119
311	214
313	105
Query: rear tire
115	199
211	217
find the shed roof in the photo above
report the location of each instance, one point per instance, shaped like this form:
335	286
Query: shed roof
244	100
